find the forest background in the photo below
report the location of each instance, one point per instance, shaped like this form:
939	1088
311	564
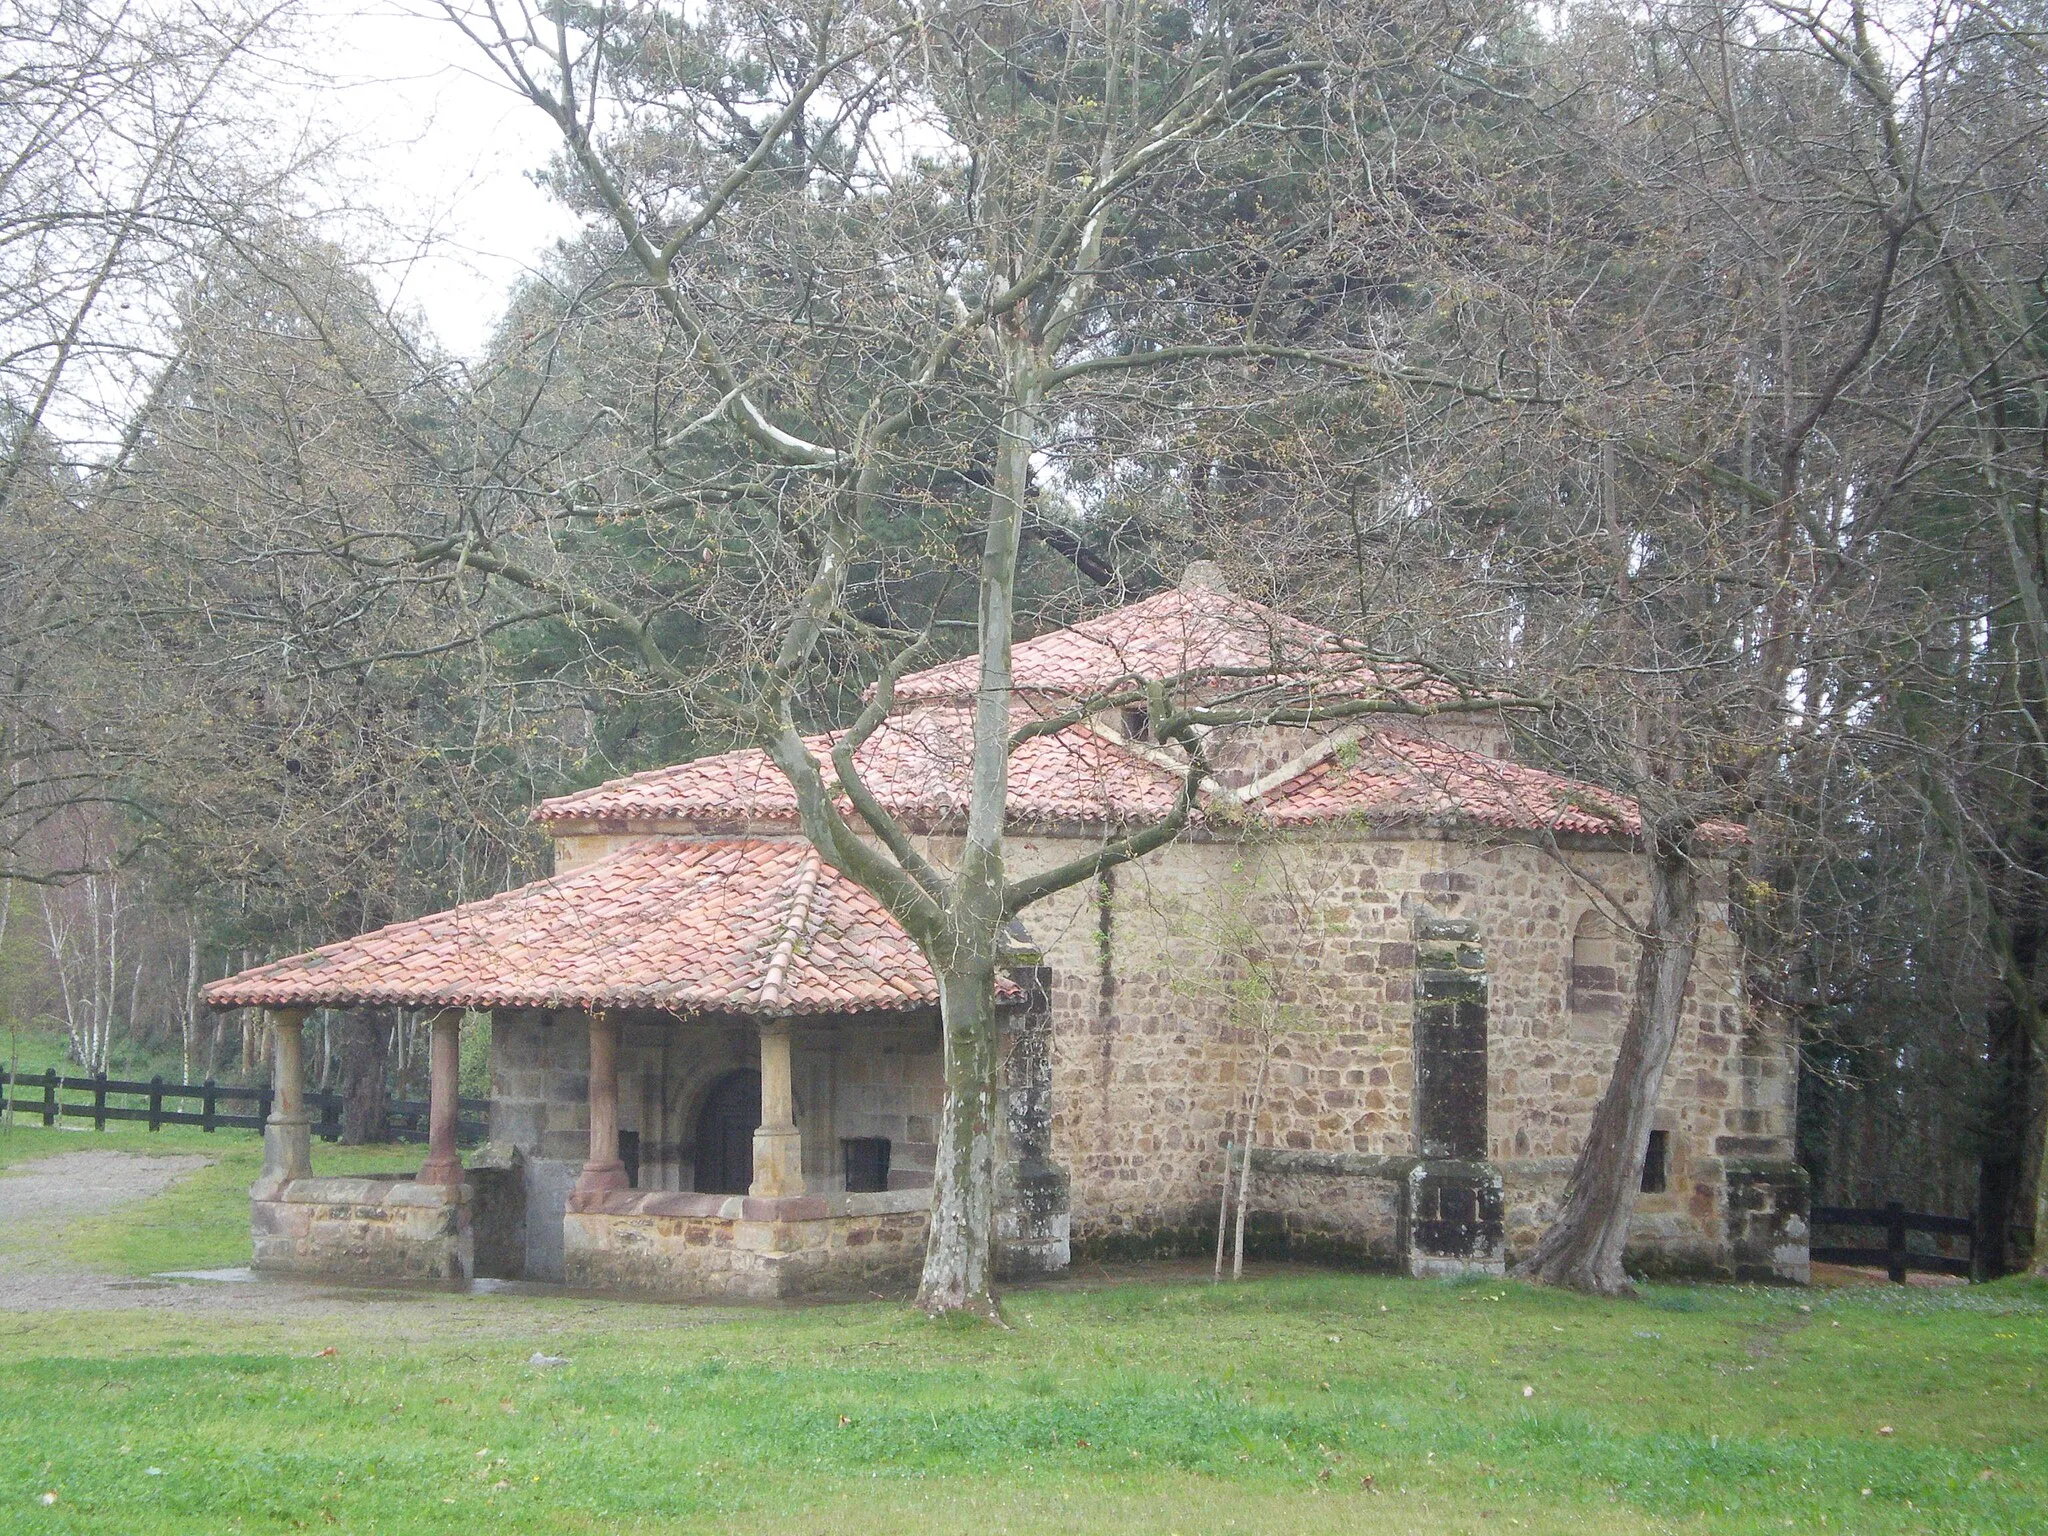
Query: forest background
1693	376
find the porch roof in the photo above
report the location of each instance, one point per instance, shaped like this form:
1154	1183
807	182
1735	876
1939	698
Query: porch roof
758	926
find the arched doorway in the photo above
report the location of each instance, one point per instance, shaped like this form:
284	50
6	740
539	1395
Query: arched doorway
725	1133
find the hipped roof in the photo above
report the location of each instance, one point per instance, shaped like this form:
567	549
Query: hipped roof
724	921
916	763
1202	635
730	926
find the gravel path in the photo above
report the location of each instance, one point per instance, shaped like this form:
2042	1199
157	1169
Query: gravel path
38	1199
83	1183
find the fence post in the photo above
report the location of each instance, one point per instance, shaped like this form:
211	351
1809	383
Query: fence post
99	1101
263	1107
156	1102
206	1104
1895	1240
50	1097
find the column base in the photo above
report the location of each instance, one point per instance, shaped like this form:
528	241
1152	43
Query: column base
595	1182
1452	1219
778	1163
438	1171
287	1148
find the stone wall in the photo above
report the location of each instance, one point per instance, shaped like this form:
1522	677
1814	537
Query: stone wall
1154	1044
852	1078
370	1228
496	1179
1154	1047
1327	1207
736	1247
540	1107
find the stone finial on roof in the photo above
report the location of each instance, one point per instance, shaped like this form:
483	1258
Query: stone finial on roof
1203	576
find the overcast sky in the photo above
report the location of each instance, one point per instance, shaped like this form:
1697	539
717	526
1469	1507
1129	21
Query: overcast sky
443	154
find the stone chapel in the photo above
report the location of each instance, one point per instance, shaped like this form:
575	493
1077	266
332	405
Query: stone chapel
715	1065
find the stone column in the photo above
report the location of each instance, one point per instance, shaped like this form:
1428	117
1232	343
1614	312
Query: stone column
603	1172
778	1146
444	1163
288	1134
1031	1212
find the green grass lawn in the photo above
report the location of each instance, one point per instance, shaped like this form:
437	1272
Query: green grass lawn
1139	1406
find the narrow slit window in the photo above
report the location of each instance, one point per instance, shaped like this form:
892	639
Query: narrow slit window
1654	1162
867	1164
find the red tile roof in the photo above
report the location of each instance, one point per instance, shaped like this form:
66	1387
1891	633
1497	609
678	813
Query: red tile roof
1192	632
758	925
916	764
747	926
1394	778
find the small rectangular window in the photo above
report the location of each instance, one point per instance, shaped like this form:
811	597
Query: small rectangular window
867	1164
1654	1162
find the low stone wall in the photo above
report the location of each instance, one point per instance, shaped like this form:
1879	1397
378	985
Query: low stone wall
363	1229
1425	1216
1330	1207
1434	1217
737	1247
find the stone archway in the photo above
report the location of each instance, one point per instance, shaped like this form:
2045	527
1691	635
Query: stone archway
726	1123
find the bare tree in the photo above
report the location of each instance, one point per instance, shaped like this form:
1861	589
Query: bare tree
965	203
85	934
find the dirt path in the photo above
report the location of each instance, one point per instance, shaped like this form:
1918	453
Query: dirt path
38	1200
75	1184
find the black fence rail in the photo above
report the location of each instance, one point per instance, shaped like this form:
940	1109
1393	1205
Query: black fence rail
1895	1221
219	1106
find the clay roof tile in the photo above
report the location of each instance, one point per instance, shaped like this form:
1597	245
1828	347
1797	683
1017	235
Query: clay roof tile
739	925
916	764
1391	778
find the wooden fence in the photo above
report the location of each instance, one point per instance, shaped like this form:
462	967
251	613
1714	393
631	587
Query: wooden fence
52	1098
1896	1258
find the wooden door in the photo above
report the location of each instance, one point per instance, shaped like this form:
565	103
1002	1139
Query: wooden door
725	1134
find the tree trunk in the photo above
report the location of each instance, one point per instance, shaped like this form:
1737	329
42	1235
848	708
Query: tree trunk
2002	1127
2039	1265
956	1260
1583	1248
1251	1138
365	1050
1223	1211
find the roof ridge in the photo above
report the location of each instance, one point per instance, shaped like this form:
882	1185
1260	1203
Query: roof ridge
799	915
